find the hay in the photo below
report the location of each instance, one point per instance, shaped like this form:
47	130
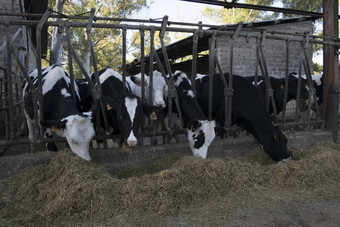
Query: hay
71	191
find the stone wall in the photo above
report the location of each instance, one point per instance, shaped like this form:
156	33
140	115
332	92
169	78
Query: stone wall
244	54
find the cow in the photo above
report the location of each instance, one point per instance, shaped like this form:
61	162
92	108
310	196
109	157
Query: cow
248	112
159	89
123	109
60	113
278	86
201	131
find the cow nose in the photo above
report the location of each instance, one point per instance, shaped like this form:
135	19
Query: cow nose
132	143
160	104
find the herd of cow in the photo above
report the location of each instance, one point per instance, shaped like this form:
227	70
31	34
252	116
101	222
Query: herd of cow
76	118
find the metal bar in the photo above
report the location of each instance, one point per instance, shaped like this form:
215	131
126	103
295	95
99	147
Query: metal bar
336	42
256	7
152	55
37	96
194	60
297	106
142	50
211	73
70	63
269	91
285	96
124	59
10	86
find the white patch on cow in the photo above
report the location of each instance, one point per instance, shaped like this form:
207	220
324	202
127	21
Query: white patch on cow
65	93
108	73
131	105
189	93
159	88
200	77
258	83
208	128
285	160
180	78
78	132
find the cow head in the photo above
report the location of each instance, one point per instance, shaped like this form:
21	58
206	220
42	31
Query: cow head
159	87
276	146
200	135
293	87
127	113
78	131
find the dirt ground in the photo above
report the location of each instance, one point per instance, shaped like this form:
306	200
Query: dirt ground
237	185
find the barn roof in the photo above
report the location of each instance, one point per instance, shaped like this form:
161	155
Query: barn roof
183	47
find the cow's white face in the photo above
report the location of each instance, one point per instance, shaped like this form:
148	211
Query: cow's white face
201	136
158	89
79	131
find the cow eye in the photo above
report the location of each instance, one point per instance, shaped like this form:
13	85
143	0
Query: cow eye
121	117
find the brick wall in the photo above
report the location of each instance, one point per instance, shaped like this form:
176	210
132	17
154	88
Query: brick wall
244	55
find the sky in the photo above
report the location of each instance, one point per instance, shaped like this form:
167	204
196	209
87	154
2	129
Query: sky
182	11
179	11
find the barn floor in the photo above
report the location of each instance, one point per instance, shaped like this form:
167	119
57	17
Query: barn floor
238	185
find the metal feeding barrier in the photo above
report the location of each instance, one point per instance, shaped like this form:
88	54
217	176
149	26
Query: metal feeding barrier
11	97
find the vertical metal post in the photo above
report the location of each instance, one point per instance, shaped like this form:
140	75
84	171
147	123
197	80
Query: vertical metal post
142	50
212	41
194	61
70	61
37	97
285	96
124	58
10	85
152	55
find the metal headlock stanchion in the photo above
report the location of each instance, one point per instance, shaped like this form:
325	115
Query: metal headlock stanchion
194	60
37	95
97	93
265	75
285	96
9	85
308	73
172	90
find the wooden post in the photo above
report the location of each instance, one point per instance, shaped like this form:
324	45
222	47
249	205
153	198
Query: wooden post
330	29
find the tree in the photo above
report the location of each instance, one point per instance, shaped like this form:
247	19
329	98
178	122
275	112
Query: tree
107	43
136	43
235	15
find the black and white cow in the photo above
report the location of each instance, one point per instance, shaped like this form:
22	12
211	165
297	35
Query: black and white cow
248	112
60	113
159	87
201	131
278	86
123	109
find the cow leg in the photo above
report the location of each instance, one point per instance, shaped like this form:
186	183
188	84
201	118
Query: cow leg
50	146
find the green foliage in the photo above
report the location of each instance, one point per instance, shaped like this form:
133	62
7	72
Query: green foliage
136	42
317	68
107	43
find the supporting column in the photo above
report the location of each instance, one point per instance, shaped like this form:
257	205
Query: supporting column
330	29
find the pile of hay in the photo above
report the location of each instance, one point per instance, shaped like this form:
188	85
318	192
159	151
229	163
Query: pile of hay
71	191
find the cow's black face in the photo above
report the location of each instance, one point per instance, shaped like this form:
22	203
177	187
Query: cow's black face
293	87
278	146
129	117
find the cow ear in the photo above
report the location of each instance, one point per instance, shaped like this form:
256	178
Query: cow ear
54	124
137	80
193	125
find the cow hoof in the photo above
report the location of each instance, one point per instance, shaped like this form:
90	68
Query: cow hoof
285	160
